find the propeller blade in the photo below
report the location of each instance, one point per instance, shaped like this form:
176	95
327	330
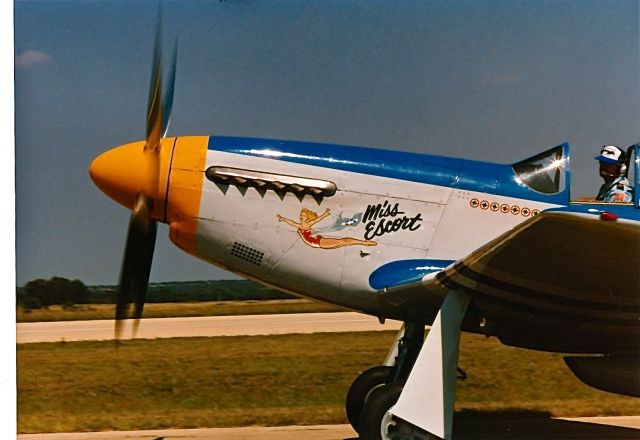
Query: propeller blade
168	98
136	266
154	105
159	106
158	110
141	238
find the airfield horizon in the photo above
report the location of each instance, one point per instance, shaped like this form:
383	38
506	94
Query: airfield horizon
86	312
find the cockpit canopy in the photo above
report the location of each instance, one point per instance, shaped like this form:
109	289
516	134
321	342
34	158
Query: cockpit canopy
546	172
633	172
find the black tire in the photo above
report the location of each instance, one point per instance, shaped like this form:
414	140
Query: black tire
375	410
362	388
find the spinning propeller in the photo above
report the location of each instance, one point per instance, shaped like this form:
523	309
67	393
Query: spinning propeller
141	238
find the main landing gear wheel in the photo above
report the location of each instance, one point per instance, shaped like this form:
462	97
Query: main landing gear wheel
362	388
378	424
375	424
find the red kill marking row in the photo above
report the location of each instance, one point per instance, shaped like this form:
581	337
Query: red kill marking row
503	208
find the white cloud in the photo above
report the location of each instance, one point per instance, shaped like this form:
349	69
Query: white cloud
31	57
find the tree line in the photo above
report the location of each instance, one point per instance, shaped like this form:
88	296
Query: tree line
61	291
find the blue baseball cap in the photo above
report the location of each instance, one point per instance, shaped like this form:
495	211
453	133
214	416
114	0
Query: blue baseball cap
611	154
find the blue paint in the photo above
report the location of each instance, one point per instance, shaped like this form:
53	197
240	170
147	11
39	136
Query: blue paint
636	173
499	179
402	272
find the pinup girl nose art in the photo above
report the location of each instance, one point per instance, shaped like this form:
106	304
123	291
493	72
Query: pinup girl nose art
309	218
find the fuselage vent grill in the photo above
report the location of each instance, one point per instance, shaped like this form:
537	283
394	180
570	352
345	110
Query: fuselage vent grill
247	253
262	181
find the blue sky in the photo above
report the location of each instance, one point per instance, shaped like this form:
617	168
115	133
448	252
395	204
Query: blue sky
486	80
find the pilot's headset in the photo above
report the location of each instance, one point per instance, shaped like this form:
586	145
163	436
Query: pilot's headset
613	155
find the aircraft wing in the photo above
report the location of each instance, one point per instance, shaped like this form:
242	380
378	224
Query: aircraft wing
561	281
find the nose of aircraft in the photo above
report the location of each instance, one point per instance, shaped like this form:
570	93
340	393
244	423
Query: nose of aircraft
125	172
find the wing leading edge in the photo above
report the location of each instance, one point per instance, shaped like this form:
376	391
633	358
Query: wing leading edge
561	281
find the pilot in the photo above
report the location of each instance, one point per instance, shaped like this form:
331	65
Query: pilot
613	168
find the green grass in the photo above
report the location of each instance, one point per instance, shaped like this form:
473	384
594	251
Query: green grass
171	310
266	380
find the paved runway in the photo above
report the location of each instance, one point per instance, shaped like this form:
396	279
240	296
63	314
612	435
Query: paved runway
476	428
325	432
250	325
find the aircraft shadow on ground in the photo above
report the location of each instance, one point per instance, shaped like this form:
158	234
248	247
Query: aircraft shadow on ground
531	425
